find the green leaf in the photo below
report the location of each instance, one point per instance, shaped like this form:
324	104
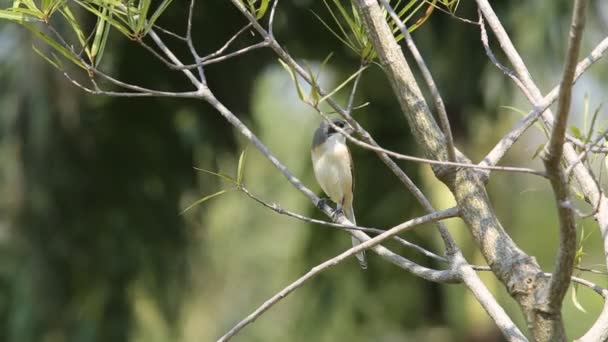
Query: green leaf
575	301
592	127
262	9
218	174
143	8
314	87
101	37
575	132
344	41
206	198
342	85
522	113
159	10
13	16
119	19
538	150
241	167
56	63
67	13
294	78
58	47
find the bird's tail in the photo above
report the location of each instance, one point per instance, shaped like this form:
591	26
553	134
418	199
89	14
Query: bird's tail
350	215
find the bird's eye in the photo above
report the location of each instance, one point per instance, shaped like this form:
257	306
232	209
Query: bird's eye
340	124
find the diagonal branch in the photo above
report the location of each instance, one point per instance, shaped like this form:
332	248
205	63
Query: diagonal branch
448	276
517	270
507	141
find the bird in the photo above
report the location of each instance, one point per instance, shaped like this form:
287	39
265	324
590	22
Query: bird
333	168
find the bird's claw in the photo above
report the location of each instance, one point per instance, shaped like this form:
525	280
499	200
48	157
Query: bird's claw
322	203
337	213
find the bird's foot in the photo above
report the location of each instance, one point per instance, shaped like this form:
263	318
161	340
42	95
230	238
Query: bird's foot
337	213
323	202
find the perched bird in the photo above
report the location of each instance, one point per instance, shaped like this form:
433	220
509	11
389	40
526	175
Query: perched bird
333	166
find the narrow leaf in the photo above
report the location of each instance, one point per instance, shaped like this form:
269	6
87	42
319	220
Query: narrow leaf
575	301
294	78
241	167
218	174
342	85
206	198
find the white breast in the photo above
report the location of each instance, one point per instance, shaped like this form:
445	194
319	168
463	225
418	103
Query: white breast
331	162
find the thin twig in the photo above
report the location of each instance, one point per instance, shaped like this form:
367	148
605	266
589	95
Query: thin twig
434	275
486	45
588	148
235	53
509	139
425	160
271	20
278	209
169	33
227	44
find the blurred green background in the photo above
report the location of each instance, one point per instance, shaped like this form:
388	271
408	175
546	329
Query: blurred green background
92	243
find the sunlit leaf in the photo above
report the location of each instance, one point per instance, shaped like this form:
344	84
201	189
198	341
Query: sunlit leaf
13	16
538	150
101	37
241	167
159	10
575	132
342	85
218	174
575	301
294	78
262	9
206	198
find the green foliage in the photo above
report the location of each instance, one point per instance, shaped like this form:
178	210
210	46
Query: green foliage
578	258
351	32
237	181
257	7
134	19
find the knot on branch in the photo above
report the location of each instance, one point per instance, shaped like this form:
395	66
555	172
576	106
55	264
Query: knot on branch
446	173
522	276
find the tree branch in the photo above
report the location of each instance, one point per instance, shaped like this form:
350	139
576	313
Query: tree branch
278	209
567	244
448	276
428	78
513	267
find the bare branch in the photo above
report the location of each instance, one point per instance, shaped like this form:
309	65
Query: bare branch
235	53
431	161
222	49
161	45
428	78
271	20
490	54
588	148
195	55
278	209
169	33
486	299
505	143
429	274
567	244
